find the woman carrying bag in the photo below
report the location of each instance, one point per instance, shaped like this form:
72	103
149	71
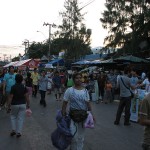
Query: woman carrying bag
79	104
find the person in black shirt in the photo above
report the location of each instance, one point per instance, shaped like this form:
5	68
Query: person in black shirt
18	102
29	83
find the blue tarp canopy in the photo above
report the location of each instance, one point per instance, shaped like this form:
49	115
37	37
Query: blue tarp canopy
94	56
56	62
94	62
81	62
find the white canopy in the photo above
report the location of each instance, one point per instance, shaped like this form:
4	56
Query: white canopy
48	66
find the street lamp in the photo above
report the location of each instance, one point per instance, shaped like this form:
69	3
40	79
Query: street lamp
50	26
42	33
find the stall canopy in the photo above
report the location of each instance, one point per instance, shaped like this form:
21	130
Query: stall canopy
131	58
56	62
94	62
31	63
11	64
22	62
94	56
81	62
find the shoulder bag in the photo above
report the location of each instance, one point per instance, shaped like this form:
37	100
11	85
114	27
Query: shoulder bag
132	94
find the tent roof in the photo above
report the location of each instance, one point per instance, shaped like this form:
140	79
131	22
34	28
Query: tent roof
11	64
22	62
81	62
44	58
59	61
86	62
131	58
94	56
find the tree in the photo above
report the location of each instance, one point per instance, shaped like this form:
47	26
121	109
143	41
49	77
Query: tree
15	59
37	50
127	22
73	34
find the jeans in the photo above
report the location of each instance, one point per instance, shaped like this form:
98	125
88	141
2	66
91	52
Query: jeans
43	97
125	102
34	93
17	117
78	139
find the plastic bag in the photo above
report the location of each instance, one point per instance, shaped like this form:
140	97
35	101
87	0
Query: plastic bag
89	123
28	112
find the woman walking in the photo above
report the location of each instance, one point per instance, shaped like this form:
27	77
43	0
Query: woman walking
18	102
79	101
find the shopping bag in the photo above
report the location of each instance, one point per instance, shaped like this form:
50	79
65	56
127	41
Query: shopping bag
28	112
89	123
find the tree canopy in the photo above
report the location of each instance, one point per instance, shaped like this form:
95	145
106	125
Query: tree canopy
72	35
73	32
128	25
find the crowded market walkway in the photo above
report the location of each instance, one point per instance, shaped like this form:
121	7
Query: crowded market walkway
38	128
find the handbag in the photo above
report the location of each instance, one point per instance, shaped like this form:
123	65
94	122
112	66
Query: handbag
132	94
78	115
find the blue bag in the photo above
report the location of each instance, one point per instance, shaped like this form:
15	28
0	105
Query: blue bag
61	137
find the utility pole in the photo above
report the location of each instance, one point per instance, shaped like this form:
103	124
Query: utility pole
26	43
4	56
49	43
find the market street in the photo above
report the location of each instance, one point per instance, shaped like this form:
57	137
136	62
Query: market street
38	128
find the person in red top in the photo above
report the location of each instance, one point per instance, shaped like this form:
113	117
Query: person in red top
108	93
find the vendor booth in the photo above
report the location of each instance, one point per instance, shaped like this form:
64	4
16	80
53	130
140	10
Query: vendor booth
135	103
21	65
55	62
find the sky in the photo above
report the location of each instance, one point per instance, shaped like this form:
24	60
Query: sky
21	19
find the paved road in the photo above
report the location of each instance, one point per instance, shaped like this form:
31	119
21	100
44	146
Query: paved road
38	128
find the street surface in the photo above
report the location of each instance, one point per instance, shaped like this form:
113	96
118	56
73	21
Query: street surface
37	129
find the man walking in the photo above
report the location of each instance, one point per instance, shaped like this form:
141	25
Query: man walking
35	77
8	82
125	98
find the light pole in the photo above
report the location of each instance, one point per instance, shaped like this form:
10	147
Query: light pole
42	34
26	43
50	26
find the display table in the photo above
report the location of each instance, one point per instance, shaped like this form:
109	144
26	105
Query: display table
135	103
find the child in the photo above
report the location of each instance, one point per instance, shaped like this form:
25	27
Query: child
70	82
108	94
29	83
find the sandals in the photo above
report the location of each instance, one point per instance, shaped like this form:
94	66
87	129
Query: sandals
12	133
18	135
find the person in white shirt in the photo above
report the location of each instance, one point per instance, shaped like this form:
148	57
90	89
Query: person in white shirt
146	83
143	75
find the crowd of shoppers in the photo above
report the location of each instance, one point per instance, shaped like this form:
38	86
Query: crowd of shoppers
79	89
